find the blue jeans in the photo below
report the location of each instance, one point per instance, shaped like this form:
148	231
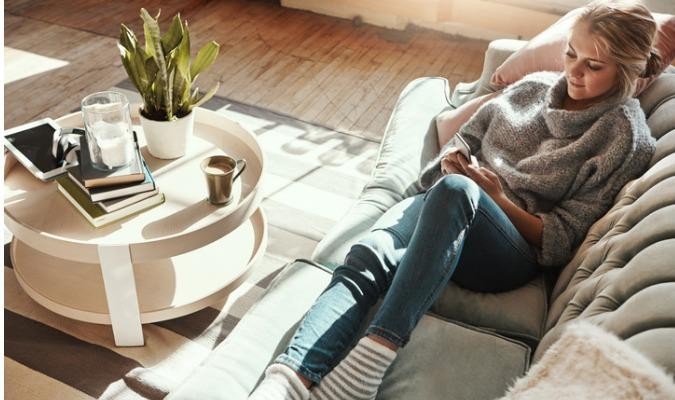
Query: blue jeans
454	230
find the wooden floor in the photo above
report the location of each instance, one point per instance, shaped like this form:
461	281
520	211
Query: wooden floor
315	68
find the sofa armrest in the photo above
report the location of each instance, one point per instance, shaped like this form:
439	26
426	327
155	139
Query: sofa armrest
409	142
497	52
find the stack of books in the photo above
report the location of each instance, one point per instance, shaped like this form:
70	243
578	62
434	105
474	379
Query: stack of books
103	197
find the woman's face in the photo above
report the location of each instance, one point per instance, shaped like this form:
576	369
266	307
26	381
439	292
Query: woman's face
590	73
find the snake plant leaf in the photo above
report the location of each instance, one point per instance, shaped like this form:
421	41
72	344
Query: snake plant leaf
127	46
183	55
150	105
194	94
203	99
185	105
169	95
152	35
158	90
135	68
147	19
170	58
162	70
127	38
151	69
140	70
181	90
173	36
205	57
129	67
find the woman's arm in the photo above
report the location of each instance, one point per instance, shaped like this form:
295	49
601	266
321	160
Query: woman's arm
449	122
530	226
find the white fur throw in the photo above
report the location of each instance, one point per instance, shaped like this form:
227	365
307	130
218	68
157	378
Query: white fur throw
590	363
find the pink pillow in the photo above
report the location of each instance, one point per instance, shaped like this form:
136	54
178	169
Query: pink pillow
544	52
449	122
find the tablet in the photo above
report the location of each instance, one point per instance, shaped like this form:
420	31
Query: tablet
31	144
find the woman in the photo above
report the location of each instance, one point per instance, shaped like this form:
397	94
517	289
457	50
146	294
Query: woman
554	150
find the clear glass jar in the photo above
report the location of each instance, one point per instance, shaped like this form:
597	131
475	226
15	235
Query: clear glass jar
107	123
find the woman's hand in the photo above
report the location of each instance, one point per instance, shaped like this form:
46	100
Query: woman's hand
529	225
450	162
485	178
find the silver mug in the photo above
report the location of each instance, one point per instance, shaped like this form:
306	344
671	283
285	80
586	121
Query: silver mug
221	172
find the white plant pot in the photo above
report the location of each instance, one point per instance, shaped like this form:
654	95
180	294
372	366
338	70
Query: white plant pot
168	139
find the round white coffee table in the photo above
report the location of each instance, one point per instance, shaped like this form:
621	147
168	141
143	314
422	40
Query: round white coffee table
169	261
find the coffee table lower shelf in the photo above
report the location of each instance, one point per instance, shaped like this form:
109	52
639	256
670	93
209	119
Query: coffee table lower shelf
166	288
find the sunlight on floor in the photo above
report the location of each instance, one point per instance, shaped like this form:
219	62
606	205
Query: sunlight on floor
21	64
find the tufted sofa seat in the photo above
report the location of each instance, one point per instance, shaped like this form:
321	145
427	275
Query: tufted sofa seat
473	345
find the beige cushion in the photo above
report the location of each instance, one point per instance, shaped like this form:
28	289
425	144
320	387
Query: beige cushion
519	313
445	360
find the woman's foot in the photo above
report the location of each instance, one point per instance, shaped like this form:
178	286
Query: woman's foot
359	375
280	383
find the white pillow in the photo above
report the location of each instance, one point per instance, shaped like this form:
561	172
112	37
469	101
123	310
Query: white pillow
589	363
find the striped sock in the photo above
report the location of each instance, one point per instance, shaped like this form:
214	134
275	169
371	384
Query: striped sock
359	375
280	383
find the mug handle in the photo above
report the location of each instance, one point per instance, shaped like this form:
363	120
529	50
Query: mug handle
241	164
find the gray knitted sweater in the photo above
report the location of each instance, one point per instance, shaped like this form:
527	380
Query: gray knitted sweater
566	167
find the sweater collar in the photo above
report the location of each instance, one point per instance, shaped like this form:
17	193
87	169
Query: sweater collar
569	124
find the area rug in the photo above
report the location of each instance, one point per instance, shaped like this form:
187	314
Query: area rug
314	175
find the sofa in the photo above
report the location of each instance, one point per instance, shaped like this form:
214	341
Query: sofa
474	345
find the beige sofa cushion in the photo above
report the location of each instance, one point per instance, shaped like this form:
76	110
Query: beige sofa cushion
519	313
446	360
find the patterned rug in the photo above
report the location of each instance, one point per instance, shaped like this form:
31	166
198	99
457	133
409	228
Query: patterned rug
314	175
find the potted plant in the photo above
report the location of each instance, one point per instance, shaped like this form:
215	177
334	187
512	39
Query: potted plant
164	74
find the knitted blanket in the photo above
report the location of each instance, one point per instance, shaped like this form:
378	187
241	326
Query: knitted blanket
588	363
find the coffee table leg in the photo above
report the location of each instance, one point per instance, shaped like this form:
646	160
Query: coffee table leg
120	291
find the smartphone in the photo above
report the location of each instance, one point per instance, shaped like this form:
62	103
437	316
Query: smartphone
464	149
31	144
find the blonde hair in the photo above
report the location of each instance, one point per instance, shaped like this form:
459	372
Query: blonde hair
625	30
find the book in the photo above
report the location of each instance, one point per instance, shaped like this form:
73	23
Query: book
93	212
92	177
102	193
121	202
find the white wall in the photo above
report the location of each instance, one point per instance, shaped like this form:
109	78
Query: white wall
483	19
